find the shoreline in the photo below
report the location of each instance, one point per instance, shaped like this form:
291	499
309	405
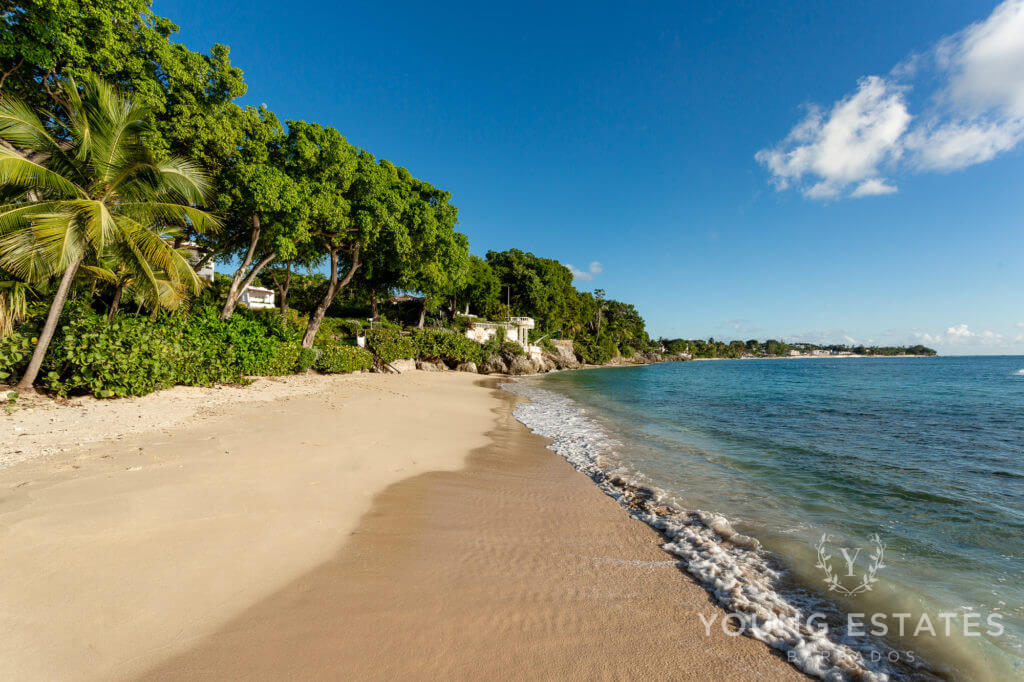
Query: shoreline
441	545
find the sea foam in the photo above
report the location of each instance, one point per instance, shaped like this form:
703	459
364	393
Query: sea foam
742	577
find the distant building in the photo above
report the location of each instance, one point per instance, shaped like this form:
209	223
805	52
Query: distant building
195	253
404	298
257	298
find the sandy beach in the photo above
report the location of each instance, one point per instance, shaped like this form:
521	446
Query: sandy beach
363	526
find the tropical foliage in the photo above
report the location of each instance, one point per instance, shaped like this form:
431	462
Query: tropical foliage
126	164
82	187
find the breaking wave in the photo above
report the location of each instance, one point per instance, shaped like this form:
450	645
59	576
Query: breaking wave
742	577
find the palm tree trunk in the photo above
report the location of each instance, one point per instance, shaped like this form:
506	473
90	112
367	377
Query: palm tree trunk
115	303
373	303
423	313
50	326
332	289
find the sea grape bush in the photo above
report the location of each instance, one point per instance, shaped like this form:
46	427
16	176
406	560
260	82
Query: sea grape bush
339	358
446	345
137	355
389	345
15	351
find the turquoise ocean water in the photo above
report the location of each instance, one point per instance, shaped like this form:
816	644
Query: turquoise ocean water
925	453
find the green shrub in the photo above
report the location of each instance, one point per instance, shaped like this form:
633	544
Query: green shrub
15	351
338	328
593	353
627	351
306	359
389	345
137	355
510	349
337	358
129	356
283	359
447	345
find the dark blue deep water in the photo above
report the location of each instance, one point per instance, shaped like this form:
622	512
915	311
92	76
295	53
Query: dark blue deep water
926	452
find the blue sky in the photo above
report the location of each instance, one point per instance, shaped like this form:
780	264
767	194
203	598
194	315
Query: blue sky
823	172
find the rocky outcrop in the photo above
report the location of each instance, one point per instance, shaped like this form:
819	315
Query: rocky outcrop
401	365
521	365
426	366
467	367
564	356
494	365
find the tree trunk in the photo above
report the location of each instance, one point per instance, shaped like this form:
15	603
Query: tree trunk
115	303
373	303
282	288
423	313
248	281
46	335
235	291
332	289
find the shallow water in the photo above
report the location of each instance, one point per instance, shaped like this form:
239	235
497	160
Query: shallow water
927	453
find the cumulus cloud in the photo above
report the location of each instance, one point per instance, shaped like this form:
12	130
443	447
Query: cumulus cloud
845	145
960	334
975	113
587	275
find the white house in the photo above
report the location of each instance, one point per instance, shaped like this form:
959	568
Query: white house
517	329
257	298
194	254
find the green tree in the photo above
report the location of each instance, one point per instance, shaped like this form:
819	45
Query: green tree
345	195
480	287
265	211
42	43
440	255
100	187
536	287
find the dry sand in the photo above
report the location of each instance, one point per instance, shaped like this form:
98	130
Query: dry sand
386	527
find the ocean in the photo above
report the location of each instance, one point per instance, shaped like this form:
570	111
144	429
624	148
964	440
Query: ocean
883	493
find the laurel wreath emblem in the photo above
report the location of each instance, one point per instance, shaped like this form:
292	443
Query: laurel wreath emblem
867	579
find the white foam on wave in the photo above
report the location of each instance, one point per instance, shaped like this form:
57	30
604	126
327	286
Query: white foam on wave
731	566
1019	373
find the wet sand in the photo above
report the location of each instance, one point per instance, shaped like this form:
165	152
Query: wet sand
515	567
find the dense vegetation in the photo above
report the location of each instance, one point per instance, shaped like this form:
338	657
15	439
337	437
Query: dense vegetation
711	348
120	148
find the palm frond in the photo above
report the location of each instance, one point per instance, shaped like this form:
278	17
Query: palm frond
103	274
155	250
13	305
172	214
182	180
21	172
22	127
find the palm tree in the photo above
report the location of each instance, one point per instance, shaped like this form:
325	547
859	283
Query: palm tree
75	186
126	272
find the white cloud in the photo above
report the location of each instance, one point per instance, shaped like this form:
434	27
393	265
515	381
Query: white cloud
588	274
873	187
959	335
975	113
846	145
